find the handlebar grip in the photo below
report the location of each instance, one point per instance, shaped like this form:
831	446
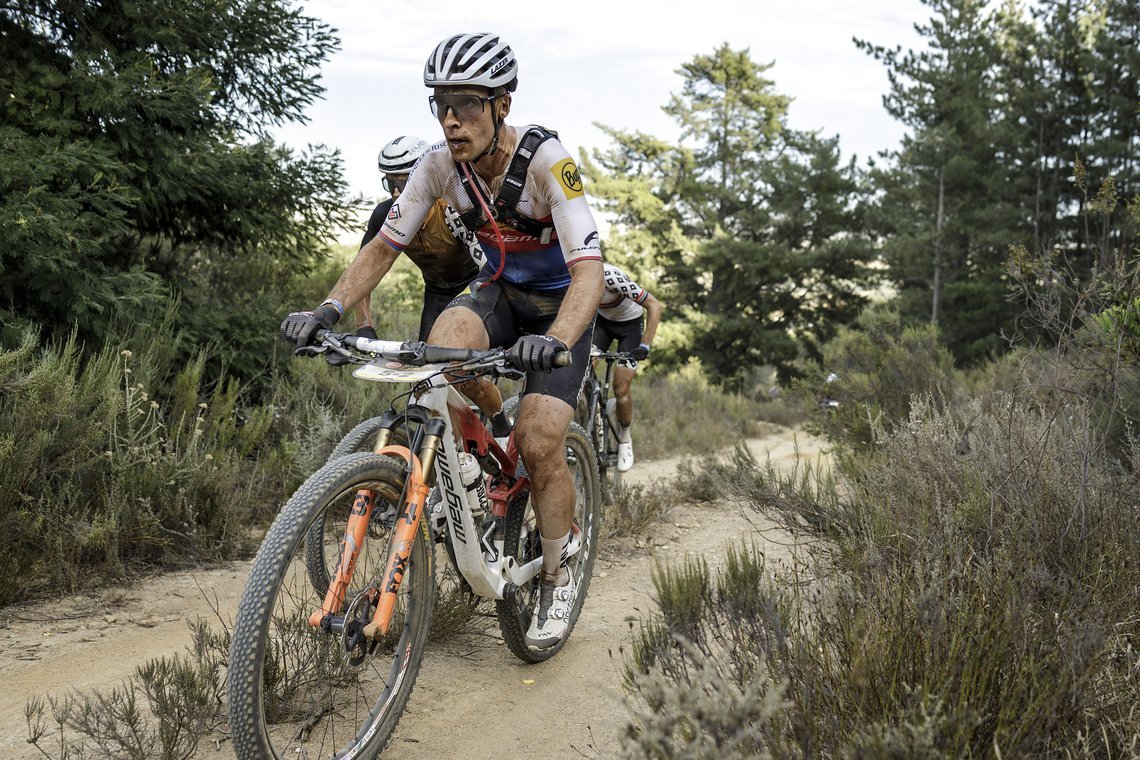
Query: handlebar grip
563	359
439	355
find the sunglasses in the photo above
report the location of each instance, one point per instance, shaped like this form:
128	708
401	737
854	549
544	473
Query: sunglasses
394	185
465	107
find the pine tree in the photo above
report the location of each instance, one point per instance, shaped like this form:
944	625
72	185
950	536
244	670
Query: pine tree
137	164
947	210
754	229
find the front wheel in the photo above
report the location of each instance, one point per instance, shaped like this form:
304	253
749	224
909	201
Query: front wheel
524	544
301	691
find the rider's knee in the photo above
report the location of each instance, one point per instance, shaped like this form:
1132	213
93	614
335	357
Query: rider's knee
536	443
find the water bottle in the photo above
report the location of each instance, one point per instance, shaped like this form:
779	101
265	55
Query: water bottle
472	475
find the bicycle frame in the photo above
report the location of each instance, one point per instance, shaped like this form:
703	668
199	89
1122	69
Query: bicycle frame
478	557
597	398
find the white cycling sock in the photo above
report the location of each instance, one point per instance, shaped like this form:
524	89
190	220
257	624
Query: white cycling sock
553	559
624	436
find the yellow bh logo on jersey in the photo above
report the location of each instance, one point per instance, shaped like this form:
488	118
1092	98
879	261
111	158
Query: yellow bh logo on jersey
568	175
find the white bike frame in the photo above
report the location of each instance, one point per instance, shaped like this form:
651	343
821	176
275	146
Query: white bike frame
487	571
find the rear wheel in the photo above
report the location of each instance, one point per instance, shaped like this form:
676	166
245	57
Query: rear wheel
301	691
524	544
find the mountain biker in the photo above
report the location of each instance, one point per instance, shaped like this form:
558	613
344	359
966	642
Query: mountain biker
538	291
447	255
619	319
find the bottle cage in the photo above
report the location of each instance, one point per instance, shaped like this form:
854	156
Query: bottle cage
504	206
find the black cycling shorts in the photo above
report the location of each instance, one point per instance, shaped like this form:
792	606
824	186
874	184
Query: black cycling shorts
509	312
628	335
435	301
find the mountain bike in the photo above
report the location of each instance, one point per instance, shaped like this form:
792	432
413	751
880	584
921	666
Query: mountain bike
333	622
597	414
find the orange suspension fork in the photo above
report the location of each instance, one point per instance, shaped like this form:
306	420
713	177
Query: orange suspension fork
354	534
404	533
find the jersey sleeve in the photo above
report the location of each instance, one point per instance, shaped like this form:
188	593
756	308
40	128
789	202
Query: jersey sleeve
559	183
408	212
375	220
621	285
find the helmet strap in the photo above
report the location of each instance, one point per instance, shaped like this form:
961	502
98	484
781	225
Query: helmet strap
494	140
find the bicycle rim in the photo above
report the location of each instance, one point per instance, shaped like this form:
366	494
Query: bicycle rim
299	691
523	543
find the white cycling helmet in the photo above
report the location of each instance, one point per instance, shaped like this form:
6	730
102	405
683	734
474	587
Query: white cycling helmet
400	155
480	59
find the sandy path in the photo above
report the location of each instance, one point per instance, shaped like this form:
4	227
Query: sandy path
472	698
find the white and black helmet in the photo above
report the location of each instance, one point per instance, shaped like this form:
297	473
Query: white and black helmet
480	59
400	155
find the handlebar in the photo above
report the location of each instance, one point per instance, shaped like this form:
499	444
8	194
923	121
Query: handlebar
611	356
413	352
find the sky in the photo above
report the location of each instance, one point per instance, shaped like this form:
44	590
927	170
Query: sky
607	61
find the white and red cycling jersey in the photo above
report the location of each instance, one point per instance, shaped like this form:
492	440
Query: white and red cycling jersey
623	298
552	194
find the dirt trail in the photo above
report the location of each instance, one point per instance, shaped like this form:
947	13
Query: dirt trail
473	699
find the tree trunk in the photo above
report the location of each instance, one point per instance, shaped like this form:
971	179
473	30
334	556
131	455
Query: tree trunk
936	278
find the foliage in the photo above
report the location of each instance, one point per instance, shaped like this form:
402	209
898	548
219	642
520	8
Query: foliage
103	470
752	230
980	598
880	367
1014	120
181	702
680	412
136	165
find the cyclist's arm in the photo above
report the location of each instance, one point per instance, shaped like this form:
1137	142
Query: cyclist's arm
580	302
363	274
558	182
363	309
652	318
376	257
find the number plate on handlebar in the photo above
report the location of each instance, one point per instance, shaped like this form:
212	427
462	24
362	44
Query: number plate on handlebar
394	372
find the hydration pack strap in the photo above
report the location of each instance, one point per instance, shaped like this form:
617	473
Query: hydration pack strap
504	205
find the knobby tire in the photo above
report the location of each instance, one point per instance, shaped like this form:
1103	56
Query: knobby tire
523	543
291	691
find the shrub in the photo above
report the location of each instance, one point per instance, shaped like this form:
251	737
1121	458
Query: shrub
124	458
980	596
880	365
682	413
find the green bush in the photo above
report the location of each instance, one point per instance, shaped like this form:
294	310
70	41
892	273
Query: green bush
880	365
970	590
125	458
683	413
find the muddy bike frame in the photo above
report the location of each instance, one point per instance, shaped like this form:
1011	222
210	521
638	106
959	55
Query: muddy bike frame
478	556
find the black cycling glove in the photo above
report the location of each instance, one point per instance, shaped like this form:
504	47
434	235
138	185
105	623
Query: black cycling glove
535	353
641	352
300	326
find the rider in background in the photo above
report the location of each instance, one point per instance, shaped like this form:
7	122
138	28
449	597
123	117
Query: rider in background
619	319
447	255
538	292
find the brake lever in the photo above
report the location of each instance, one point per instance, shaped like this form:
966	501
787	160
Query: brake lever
310	350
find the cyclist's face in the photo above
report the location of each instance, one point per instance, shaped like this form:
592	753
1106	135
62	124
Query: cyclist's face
465	115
